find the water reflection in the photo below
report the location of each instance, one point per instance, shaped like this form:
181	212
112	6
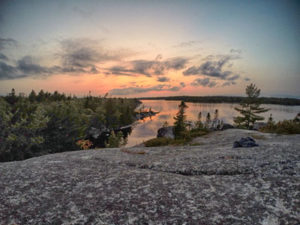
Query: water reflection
147	129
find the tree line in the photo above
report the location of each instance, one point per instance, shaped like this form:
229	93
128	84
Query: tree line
44	122
226	99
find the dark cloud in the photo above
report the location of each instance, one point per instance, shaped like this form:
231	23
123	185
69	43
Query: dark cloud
7	42
76	55
213	68
27	66
149	67
234	77
175	88
7	71
176	63
138	90
163	79
82	55
135	90
205	82
120	70
228	83
3	57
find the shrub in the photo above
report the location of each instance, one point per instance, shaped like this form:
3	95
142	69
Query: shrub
282	127
84	144
161	141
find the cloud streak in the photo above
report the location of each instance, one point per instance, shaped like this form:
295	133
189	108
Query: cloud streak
138	90
205	82
163	79
213	68
186	44
149	68
7	42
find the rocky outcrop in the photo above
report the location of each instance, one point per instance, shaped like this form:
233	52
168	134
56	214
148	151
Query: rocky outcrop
167	132
226	126
208	183
247	142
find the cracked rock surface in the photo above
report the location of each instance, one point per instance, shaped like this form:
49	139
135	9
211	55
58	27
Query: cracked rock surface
210	183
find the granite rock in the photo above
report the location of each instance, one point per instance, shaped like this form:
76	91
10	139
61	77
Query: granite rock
210	183
166	132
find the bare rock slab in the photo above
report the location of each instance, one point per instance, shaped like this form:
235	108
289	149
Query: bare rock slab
210	183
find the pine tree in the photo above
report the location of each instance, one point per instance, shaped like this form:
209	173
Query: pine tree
115	140
216	115
12	98
180	118
208	120
41	96
32	96
199	124
249	109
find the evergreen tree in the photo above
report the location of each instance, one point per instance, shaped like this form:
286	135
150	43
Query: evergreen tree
32	96
216	116
41	96
115	141
180	118
12	98
199	123
111	113
250	108
270	120
208	120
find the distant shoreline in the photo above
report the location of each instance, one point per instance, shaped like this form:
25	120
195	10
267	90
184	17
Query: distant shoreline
226	99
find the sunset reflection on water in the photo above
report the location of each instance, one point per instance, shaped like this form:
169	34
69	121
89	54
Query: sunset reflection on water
147	129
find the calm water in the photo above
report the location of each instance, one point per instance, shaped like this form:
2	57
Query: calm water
147	129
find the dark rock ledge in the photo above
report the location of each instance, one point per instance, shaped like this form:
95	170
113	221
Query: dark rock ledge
211	183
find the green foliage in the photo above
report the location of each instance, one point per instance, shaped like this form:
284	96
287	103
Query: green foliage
208	120
115	141
282	127
180	119
47	123
250	108
162	141
20	130
199	124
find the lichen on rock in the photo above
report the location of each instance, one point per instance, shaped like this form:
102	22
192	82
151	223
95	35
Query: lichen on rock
207	184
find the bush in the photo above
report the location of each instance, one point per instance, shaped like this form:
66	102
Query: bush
161	141
282	127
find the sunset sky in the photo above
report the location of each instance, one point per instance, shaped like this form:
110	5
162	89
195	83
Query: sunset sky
150	48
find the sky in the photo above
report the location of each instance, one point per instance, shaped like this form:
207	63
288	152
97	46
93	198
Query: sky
131	48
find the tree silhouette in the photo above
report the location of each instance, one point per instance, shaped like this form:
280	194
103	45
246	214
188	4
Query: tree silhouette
249	109
180	118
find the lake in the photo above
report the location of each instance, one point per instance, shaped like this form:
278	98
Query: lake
147	129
